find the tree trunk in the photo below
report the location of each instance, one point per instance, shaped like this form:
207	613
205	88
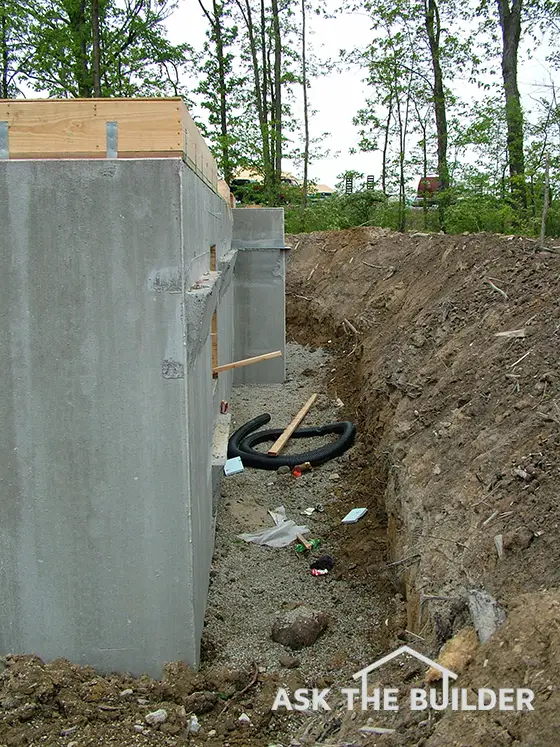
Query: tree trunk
96	48
260	93
386	146
267	94
215	21
433	29
423	126
4	55
305	106
546	199
277	113
402	120
76	10
510	22
227	166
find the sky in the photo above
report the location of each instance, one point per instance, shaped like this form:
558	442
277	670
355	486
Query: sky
336	97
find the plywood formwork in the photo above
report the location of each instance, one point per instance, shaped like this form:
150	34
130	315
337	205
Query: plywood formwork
78	128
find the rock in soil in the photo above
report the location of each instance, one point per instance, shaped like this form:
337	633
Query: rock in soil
156	717
299	628
290	662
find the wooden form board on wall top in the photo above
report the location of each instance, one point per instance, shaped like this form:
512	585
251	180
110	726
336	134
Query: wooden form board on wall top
98	128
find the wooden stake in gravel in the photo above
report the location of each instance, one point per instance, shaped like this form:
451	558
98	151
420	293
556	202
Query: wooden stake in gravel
283	439
247	361
304	542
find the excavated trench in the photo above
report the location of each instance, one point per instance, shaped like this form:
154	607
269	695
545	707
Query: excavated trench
372	470
444	349
376	477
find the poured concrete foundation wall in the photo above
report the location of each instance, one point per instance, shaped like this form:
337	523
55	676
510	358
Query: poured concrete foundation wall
107	407
260	277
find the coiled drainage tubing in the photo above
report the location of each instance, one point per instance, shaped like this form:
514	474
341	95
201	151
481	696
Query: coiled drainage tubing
244	439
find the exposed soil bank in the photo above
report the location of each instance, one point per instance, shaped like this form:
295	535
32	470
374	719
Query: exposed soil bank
463	421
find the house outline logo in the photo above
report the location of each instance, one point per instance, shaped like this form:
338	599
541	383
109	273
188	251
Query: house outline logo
362	674
447	674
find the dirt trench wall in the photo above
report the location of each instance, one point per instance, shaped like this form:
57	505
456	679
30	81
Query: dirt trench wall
462	423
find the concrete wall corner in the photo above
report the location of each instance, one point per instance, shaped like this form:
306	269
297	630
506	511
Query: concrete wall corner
259	292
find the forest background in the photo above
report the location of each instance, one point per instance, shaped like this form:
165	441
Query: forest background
432	90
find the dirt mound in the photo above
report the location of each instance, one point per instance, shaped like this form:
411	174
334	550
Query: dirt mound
64	704
454	343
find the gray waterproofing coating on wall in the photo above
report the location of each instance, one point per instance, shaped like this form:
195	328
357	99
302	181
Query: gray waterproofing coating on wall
106	510
260	297
258	228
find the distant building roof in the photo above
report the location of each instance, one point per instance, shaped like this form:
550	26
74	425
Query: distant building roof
322	188
254	176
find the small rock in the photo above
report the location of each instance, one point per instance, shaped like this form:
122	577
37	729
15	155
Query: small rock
125	693
212	733
334	476
142	701
72	744
283	470
156	717
201	702
523	474
290	662
194	725
418	339
244	719
299	628
138	727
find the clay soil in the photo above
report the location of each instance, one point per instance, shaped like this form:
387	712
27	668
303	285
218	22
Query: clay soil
458	462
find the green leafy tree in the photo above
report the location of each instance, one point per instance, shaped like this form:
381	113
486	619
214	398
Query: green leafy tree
219	88
14	46
83	48
507	23
412	54
271	59
393	62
